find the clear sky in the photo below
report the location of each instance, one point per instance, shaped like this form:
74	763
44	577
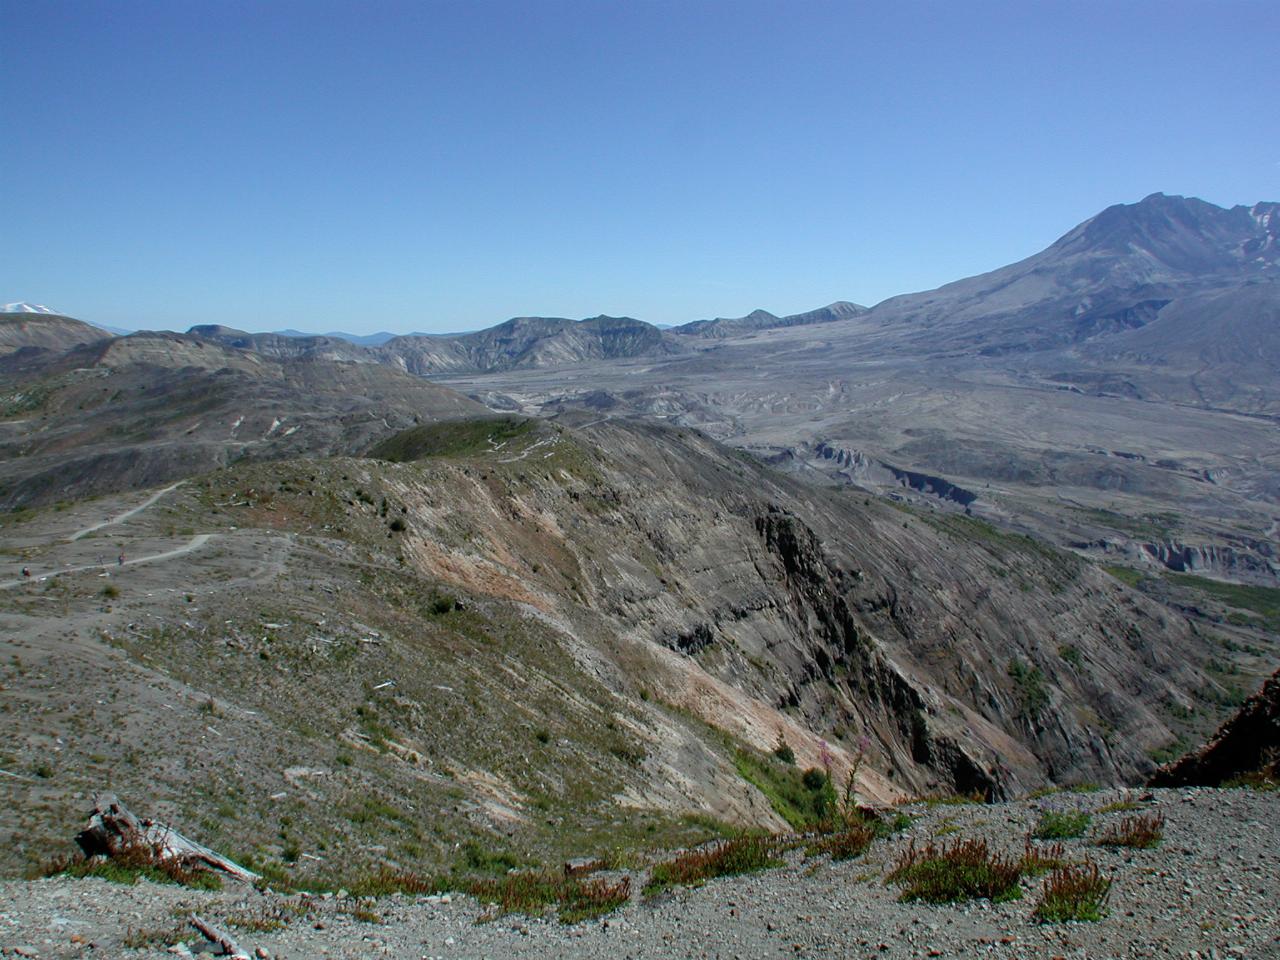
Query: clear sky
444	166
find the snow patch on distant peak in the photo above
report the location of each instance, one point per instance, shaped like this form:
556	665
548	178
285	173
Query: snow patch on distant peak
26	308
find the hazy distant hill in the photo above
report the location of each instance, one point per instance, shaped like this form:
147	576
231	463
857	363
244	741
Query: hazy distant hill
764	320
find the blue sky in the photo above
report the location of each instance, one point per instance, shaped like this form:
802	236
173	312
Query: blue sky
444	166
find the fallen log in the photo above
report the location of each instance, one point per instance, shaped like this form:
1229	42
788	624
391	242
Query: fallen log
112	828
228	947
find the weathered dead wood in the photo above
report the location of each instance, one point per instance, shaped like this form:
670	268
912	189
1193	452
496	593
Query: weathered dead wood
228	946
112	828
581	866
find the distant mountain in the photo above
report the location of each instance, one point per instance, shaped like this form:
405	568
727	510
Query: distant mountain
522	342
366	340
26	308
764	320
43	330
525	342
1114	272
279	346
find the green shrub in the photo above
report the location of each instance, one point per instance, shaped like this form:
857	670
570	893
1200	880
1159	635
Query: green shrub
964	870
532	892
1061	824
139	862
1038	860
844	844
784	752
1141	833
723	859
804	800
1076	892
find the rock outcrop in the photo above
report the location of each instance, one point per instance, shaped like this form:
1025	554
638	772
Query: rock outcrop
1246	745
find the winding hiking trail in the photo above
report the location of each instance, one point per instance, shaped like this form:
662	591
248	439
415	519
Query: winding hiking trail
126	515
196	542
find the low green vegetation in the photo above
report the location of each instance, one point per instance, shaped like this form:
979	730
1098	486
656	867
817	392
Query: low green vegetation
1074	892
804	800
140	862
1061	824
724	859
1120	806
531	892
534	892
1041	859
964	870
1262	602
452	438
1029	687
844	845
1139	833
1126	575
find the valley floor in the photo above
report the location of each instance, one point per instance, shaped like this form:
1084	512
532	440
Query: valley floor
1211	889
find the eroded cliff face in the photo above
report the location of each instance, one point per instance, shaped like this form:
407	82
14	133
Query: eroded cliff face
972	660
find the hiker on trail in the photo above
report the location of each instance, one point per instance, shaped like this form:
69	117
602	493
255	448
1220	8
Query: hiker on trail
26	571
120	560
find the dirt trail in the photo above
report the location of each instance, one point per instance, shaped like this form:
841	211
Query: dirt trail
126	515
196	542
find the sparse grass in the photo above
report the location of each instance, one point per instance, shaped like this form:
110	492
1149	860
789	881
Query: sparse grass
1125	803
389	881
588	899
1041	792
1266	779
140	862
144	938
964	870
844	844
1074	892
266	918
534	891
475	858
1170	751
1037	860
1061	824
1142	833
724	859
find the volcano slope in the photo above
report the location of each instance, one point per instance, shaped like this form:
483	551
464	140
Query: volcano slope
500	640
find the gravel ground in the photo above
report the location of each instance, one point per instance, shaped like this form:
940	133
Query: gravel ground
1212	889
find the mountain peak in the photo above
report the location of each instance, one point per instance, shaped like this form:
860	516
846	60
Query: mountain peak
23	307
